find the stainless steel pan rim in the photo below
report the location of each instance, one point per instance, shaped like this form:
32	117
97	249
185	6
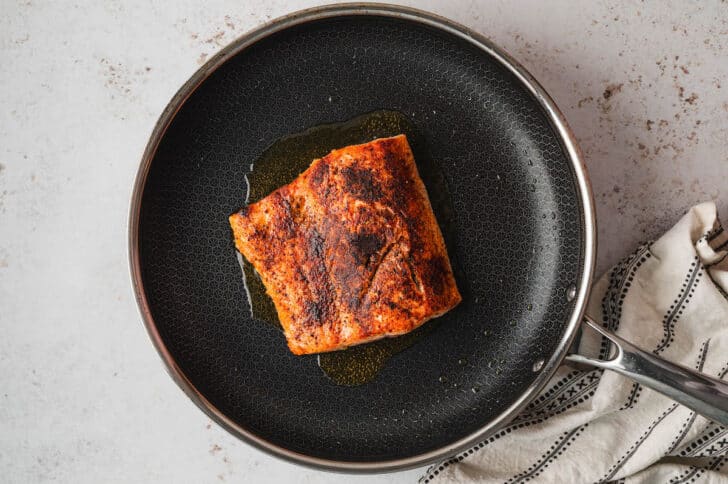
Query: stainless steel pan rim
559	125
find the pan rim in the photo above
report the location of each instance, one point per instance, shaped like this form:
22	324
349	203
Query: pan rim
558	123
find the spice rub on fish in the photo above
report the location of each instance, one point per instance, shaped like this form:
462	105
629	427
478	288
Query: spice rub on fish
350	251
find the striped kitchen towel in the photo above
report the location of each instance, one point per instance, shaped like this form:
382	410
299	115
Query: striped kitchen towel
590	425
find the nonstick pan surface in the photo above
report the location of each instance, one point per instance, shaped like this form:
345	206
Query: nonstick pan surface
523	218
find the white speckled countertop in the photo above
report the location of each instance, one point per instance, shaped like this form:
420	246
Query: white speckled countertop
83	396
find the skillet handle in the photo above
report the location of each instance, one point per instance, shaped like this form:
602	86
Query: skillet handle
704	394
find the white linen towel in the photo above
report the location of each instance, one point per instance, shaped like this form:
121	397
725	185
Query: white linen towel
589	425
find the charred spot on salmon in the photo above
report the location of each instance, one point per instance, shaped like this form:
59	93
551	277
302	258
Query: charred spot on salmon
315	246
318	174
365	247
361	183
436	274
314	313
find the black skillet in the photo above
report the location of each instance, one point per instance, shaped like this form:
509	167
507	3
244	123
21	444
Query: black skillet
524	245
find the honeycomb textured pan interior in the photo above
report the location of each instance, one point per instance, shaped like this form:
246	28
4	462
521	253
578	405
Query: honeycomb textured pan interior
519	241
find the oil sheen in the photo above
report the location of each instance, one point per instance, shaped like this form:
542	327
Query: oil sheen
288	157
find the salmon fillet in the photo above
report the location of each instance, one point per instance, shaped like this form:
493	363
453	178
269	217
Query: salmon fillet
350	251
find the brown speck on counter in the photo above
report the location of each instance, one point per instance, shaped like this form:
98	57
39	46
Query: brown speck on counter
585	100
636	83
692	99
649	124
684	69
215	39
201	60
147	68
121	79
215	449
677	150
611	90
641	146
616	189
22	40
663	123
691	136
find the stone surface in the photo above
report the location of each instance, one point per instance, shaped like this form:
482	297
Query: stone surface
83	396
